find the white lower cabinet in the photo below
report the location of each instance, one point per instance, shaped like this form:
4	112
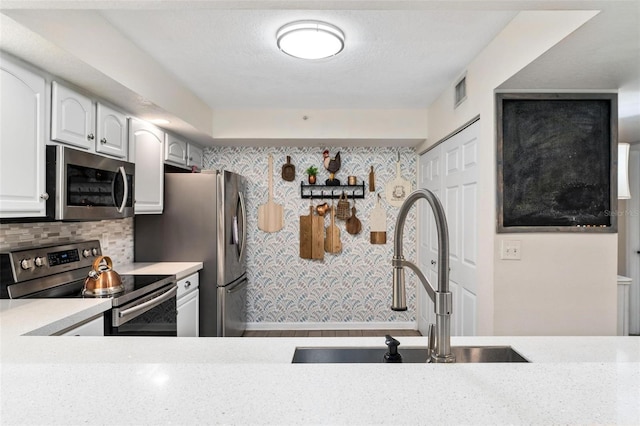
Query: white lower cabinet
92	327
188	299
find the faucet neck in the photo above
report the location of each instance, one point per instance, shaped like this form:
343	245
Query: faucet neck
441	227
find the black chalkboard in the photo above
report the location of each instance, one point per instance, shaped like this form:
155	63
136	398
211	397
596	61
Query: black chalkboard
557	165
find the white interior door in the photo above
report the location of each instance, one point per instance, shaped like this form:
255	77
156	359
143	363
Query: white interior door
429	178
450	171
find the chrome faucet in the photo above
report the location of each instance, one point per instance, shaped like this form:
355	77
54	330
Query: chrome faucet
440	347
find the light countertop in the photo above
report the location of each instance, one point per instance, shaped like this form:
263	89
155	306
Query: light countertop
162	380
179	269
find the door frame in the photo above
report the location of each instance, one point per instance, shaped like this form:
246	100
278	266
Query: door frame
633	239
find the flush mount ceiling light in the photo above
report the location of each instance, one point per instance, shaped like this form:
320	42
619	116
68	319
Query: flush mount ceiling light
310	39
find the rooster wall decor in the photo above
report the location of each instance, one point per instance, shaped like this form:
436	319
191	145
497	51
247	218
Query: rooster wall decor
332	165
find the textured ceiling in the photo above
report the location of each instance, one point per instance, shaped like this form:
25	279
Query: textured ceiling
392	59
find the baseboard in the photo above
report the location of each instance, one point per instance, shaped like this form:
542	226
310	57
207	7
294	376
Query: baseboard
409	325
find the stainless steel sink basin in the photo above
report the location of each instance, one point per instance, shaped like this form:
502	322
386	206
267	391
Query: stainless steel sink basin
463	354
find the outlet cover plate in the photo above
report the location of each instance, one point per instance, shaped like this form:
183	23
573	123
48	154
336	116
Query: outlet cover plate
511	250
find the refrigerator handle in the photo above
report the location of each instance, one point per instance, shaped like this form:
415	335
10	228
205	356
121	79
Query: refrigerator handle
244	224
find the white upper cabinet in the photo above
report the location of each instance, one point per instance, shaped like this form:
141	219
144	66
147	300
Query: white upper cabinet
76	120
111	135
71	117
195	156
175	151
146	150
183	154
22	142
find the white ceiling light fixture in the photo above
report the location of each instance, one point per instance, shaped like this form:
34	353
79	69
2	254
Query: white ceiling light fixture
310	39
624	193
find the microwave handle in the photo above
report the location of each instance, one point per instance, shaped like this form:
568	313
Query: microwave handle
126	189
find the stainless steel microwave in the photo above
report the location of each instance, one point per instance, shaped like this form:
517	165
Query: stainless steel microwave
85	186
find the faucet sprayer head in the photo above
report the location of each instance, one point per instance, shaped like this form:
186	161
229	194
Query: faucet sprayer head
399	302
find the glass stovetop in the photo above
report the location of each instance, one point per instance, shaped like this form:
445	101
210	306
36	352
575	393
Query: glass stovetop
133	284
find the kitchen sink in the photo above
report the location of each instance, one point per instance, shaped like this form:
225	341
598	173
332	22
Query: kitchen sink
463	354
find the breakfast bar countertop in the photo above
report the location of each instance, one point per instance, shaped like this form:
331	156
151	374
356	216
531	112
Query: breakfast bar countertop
164	380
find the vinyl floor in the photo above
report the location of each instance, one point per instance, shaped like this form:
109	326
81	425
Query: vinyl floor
329	333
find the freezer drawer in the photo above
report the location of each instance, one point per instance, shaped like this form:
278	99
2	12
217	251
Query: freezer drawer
232	309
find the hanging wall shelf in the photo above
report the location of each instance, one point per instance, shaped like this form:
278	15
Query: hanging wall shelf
331	191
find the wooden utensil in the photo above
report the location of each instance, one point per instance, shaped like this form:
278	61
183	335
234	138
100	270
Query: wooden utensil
317	237
306	239
372	181
353	224
288	171
270	215
332	243
398	189
378	224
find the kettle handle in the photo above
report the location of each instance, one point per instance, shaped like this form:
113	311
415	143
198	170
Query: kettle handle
98	261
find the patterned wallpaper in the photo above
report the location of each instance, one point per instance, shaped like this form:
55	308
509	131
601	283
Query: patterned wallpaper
352	286
116	236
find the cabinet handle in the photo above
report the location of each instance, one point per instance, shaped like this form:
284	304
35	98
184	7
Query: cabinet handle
187	284
90	136
103	141
433	262
190	158
44	196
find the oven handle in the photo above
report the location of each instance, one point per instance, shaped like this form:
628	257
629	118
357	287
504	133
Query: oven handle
156	301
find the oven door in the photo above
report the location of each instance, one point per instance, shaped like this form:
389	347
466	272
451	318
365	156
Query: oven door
154	314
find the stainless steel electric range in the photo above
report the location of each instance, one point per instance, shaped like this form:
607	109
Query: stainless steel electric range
146	306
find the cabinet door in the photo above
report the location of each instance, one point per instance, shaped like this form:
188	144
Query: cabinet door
22	142
146	151
175	151
195	156
111	132
188	314
71	117
94	327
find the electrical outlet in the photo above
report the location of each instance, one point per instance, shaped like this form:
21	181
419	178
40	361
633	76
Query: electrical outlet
511	250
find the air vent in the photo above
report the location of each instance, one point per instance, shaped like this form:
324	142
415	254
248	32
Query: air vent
460	91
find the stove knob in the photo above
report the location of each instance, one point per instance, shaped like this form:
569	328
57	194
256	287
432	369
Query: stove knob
94	251
86	253
25	264
39	262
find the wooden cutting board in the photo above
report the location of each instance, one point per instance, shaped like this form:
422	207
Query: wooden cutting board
378	224
270	215
332	243
311	236
317	236
305	235
398	189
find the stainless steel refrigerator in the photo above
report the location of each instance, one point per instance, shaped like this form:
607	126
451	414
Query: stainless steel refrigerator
203	220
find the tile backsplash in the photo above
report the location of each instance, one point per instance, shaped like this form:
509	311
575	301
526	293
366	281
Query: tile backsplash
352	286
116	236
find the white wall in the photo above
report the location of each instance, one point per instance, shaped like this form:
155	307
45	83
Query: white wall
565	283
405	126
